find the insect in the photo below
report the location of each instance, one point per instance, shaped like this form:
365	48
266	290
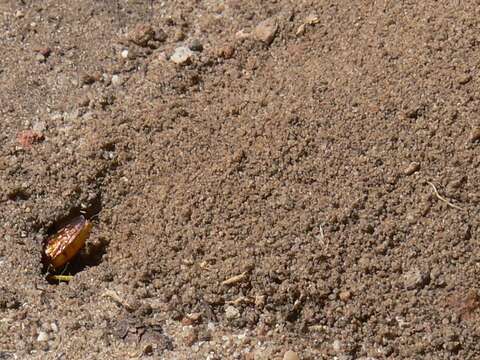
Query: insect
61	247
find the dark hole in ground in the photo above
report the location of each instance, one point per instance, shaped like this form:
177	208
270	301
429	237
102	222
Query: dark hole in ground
89	256
293	315
18	195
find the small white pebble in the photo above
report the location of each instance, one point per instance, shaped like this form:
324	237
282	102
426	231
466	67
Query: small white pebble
54	327
116	80
124	54
106	78
231	313
42	336
39	126
182	55
337	345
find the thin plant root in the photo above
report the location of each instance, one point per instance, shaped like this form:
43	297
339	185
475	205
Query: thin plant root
441	198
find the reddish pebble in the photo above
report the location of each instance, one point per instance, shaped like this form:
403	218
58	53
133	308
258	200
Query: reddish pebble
27	138
226	52
46	51
345	295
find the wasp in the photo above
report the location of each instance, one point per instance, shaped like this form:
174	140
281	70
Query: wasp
62	246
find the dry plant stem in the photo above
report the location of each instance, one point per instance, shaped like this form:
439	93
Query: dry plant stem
234	279
114	296
441	198
242	299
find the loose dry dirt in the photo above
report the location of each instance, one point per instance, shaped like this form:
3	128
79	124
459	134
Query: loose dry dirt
326	160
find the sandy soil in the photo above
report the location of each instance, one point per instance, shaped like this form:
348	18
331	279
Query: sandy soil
262	176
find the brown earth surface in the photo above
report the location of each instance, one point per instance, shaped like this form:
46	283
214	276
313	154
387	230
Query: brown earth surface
304	177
